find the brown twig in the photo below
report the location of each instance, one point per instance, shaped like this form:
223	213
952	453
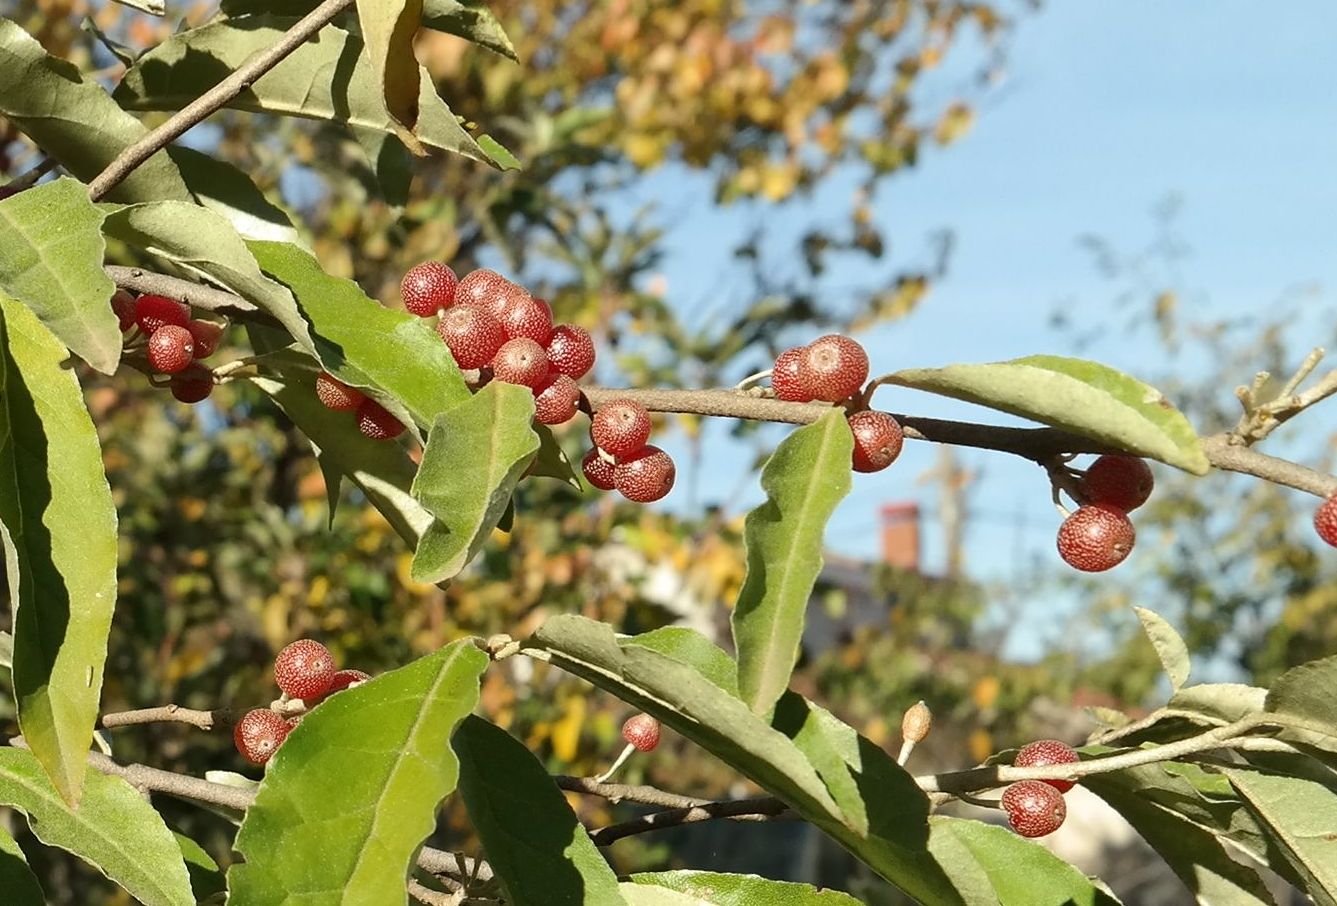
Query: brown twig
193	294
760	808
215	98
205	720
430	897
620	792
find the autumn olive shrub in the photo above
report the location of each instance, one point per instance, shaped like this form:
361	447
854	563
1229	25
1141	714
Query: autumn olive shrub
436	413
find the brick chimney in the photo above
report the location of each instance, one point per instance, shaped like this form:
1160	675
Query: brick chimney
900	535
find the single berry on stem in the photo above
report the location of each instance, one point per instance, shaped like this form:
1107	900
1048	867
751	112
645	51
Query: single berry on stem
427	288
1123	482
337	395
571	351
528	317
152	312
123	303
377	422
1034	808
644	476
620	427
471	334
1095	538
171	349
1045	752
192	385
259	733
304	669
598	471
557	402
785	379
641	733
1325	520
832	368
877	440
206	335
521	361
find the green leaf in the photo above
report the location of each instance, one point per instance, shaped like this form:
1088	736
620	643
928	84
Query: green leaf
390	163
498	153
1307	692
687	646
6	650
331	78
230	193
1226	702
535	845
806	477
718	889
552	461
74	121
114	829
152	7
19	884
364	343
475	454
205	878
992	865
1300	816
1170	648
1083	397
353	792
388	28
51	252
58	524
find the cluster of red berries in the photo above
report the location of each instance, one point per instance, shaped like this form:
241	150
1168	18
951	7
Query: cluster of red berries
175	342
1098	535
1035	807
622	458
832	369
303	670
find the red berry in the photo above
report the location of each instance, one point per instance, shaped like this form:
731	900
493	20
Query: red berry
206	335
477	287
1325	520
571	351
337	395
833	368
1095	538
259	733
152	312
1123	482
556	403
620	427
1034	808
877	440
171	349
376	422
644	476
342	679
598	471
193	385
428	287
528	317
641	732
784	377
124	304
521	361
304	669
1046	752
471	334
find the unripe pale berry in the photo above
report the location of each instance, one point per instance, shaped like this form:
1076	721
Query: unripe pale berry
1045	752
427	288
641	732
377	422
620	427
171	349
598	471
784	377
1034	808
193	385
304	669
1123	482
521	361
259	733
471	334
124	304
557	403
877	440
916	722
152	312
206	335
1095	538
833	368
1325	520
644	476
571	351
337	395
528	317
477	286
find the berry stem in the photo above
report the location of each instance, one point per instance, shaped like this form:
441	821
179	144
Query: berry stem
621	760
752	379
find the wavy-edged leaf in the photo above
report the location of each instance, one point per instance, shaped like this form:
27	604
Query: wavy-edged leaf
805	478
230	193
1226	702
475	454
58	524
687	646
114	829
534	843
19	884
388	28
1170	647
1299	815
51	252
352	793
74	121
328	78
720	889
1083	397
1307	692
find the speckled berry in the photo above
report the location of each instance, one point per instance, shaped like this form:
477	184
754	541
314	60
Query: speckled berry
571	351
598	471
192	385
877	440
476	287
620	427
528	317
1045	752
644	476
377	422
341	680
428	288
471	334
259	733
152	312
557	402
206	335
1034	808
833	368
784	377
171	349
1095	538
1123	482
521	361
124	304
641	733
304	669
1325	520
337	395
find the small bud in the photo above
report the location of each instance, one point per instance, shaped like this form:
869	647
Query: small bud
916	723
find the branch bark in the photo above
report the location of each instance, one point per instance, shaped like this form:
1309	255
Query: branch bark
760	808
205	720
194	294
